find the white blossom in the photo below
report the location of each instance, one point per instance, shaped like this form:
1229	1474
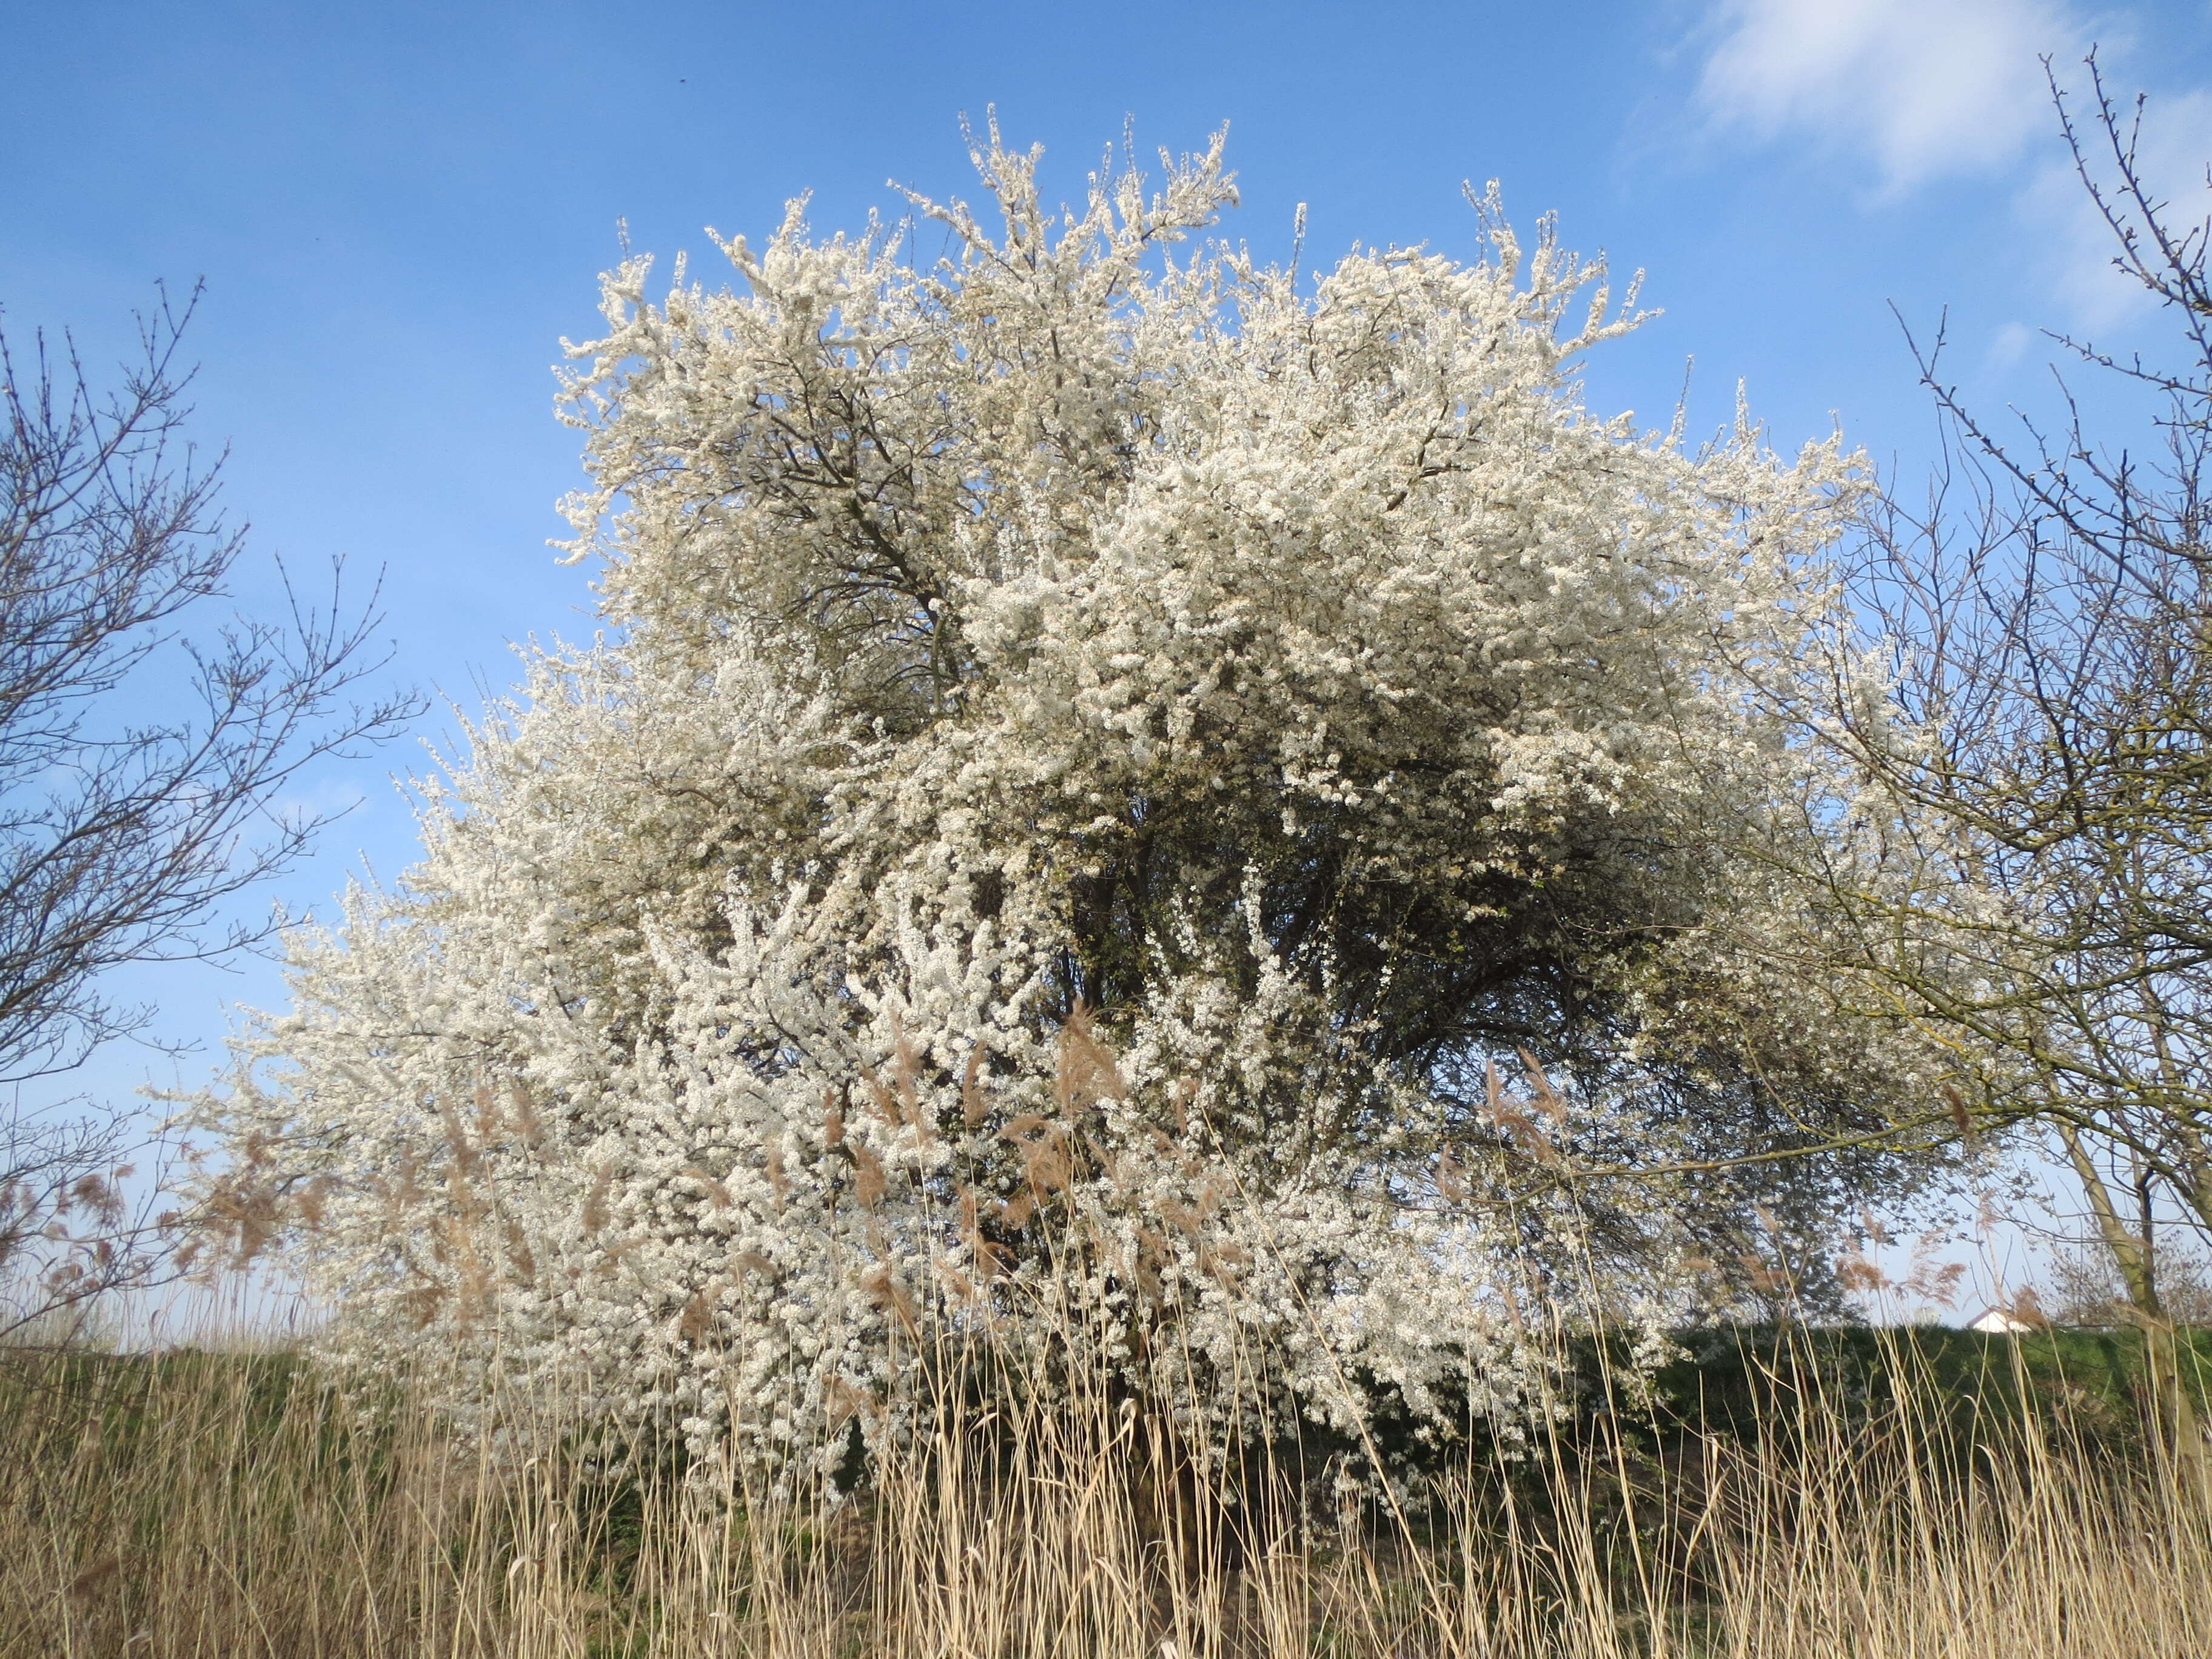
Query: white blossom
1099	752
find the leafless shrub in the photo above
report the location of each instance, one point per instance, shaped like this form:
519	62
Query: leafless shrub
141	759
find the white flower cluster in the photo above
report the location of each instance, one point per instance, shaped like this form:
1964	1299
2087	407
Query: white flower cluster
1100	750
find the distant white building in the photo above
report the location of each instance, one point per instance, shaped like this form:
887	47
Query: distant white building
1997	1322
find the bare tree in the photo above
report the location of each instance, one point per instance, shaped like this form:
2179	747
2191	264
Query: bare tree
2040	898
2087	1292
141	760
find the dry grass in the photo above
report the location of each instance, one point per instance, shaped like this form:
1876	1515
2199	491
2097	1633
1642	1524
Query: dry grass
236	1505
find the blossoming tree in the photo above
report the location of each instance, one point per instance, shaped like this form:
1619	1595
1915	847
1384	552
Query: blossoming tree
1121	790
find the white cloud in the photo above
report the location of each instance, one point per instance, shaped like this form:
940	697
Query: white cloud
1919	87
2009	345
1912	90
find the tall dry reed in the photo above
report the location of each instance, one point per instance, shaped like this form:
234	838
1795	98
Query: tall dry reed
243	1504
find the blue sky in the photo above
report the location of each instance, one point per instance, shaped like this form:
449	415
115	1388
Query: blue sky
400	209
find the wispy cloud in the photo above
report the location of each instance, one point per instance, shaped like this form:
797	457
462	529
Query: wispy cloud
1902	92
1913	90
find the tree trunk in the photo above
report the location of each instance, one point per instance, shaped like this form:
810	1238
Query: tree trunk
2172	1392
